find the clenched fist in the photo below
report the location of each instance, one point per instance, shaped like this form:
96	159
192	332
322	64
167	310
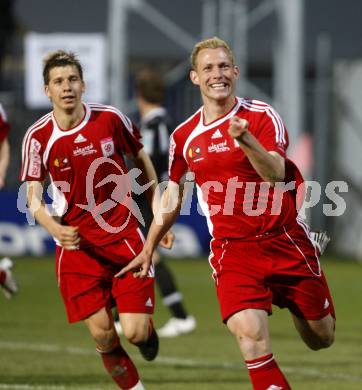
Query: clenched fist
237	127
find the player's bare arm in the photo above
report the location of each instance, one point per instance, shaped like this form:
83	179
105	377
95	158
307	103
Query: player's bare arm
165	215
270	166
4	160
67	236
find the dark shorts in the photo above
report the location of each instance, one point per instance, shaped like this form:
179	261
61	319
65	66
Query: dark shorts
282	269
87	283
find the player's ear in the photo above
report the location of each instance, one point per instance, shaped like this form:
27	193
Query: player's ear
194	77
46	90
236	71
83	86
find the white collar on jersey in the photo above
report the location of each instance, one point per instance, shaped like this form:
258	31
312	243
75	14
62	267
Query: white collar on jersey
201	128
76	128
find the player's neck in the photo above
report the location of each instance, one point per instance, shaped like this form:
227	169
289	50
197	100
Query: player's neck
68	120
215	109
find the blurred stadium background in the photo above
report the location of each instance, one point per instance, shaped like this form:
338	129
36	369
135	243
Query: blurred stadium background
302	56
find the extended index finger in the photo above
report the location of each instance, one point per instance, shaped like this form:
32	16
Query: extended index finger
129	267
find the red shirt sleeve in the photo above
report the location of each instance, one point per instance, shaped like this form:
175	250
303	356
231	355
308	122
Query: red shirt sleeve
271	132
32	165
130	137
177	164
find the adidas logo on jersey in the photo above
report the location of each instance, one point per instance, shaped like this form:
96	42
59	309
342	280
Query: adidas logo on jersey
217	134
79	139
149	302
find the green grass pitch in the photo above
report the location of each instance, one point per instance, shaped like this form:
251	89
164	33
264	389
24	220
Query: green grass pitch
39	350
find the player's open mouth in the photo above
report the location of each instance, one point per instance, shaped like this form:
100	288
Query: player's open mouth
218	85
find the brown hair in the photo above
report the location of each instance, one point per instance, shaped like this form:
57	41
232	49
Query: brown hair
150	86
60	58
210	43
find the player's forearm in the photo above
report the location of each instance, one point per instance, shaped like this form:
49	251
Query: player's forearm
4	157
38	208
156	231
269	167
165	214
47	221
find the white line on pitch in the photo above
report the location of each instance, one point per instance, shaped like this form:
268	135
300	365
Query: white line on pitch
169	361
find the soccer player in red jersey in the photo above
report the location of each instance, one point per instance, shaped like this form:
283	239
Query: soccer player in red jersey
7	280
261	251
81	148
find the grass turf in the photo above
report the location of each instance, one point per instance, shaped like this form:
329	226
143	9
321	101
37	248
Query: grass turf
39	350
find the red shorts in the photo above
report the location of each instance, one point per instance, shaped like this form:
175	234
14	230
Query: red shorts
87	283
281	269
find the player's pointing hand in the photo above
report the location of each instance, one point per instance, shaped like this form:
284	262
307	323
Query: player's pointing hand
237	127
140	265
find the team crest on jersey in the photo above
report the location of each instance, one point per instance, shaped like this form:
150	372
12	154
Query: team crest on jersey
194	153
107	146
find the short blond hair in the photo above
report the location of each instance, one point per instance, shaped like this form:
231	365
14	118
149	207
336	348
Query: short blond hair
210	43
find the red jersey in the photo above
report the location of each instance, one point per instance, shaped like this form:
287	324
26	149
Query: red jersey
4	125
234	198
86	166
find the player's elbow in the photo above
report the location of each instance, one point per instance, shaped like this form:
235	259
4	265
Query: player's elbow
275	176
275	171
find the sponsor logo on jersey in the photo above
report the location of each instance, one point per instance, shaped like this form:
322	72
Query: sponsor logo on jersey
107	146
326	304
34	169
86	150
194	153
274	387
79	138
34	166
35	146
217	134
218	148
